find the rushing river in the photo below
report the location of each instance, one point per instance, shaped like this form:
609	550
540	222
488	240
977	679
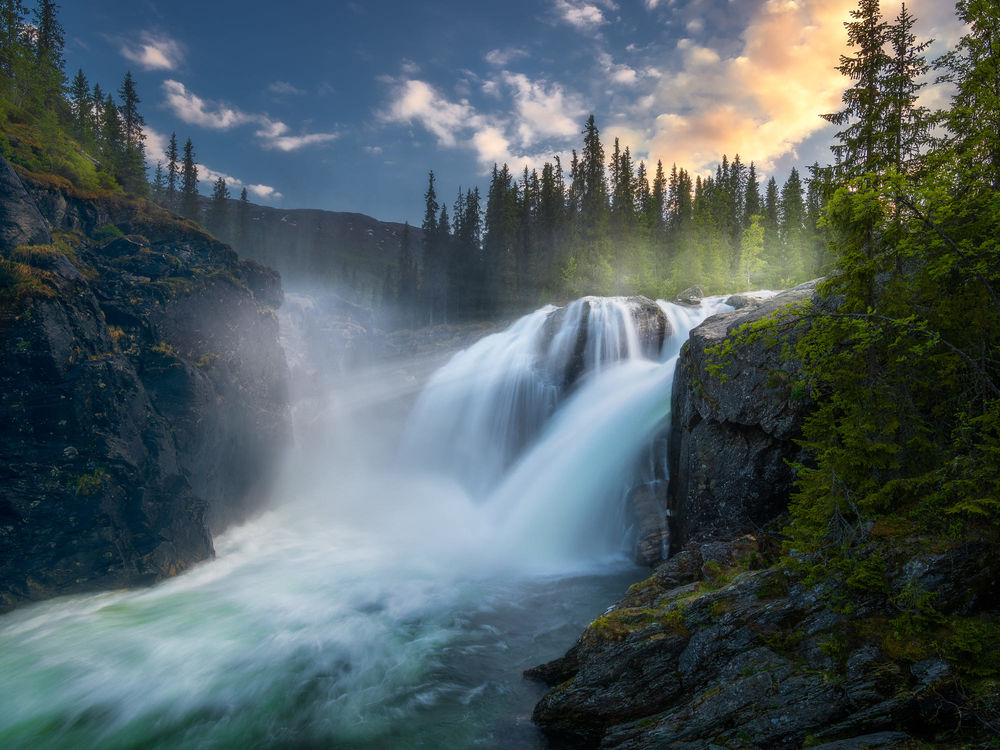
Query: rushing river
411	567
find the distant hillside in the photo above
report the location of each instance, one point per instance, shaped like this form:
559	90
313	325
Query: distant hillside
353	253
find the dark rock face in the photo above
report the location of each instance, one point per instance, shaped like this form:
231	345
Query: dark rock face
143	400
20	221
733	436
715	650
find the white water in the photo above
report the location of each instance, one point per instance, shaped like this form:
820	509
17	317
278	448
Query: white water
389	601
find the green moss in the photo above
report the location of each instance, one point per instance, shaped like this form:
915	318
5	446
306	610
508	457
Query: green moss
106	233
88	484
42	151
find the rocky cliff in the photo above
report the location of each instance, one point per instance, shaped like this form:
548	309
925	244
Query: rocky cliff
733	431
143	390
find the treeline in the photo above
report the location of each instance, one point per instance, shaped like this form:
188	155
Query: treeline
610	228
34	89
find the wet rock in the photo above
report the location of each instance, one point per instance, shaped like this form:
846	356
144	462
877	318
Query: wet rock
21	223
146	397
733	436
711	651
691	296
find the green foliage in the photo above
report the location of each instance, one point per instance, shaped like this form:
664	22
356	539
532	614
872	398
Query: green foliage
106	232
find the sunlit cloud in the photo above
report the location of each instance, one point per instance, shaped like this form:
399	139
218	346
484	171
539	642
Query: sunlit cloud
416	101
761	103
153	52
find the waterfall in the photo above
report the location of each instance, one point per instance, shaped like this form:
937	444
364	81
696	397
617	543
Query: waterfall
389	599
549	423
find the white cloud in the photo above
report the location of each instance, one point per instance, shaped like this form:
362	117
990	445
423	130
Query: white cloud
623	75
540	111
417	101
374	150
284	88
265	192
543	109
153	52
274	134
501	58
194	110
156	146
580	14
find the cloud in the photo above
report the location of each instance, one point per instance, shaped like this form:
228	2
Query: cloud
760	103
154	52
194	110
274	134
283	88
620	74
503	58
418	101
543	109
373	150
580	14
265	192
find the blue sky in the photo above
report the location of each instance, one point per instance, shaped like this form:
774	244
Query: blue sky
347	105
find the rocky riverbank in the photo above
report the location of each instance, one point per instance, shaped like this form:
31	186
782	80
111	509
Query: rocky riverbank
741	644
143	388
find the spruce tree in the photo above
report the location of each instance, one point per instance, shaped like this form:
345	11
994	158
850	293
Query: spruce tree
973	119
173	172
860	149
49	42
134	157
14	49
189	184
219	210
80	107
906	124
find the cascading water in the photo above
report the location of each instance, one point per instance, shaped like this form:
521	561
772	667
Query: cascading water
391	598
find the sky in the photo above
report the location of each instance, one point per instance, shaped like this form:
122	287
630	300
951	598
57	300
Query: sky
347	106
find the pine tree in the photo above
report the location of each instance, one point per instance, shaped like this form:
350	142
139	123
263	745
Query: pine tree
973	120
112	136
658	205
134	157
906	124
159	183
219	208
173	172
80	107
189	184
752	204
242	219
49	42
14	49
861	141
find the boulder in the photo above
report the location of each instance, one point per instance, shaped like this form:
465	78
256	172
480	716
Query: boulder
691	296
733	433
